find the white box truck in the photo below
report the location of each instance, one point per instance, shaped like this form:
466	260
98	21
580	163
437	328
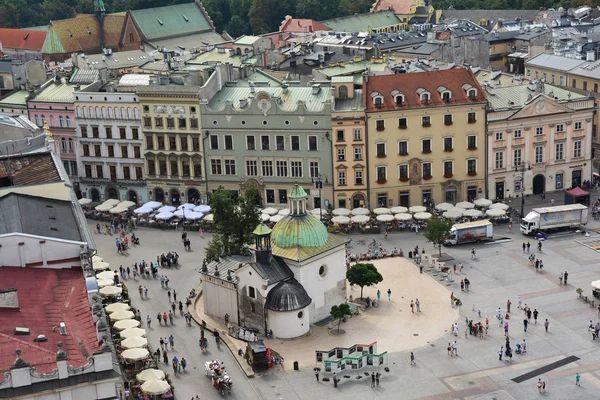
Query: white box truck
547	218
469	232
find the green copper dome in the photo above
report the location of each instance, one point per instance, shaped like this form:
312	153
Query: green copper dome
262	230
297	192
299	230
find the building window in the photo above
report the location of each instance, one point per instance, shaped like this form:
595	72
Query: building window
265	142
426	169
399	100
403	148
559	181
560	128
499	135
425	98
295	140
381	174
312	143
111	151
135	134
426	144
451	194
446	96
138	173
380	148
137	152
343	92
251	168
215	167
250	144
95	132
88	171
539	154
342	178
251	292
357	134
577	149
123	133
108	132
539	130
149	142
99	172
147	122
340	135
578	126
183	142
402	123
358	153
172	143
574	83
584	85
517	157
296	167
230	167
560	151
181	123
518	134
267	168
170	122
282	196
341	154
448	119
472	142
86	150
158	122
448	144
471	167
97	152
499	160
426	121
228	139
403	172
214	142
314	169
270	194
358	177
280	142
124	152
281	168
378	101
448	168
126	173
380	124
471	117
61	121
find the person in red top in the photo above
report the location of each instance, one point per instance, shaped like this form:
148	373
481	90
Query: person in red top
165	318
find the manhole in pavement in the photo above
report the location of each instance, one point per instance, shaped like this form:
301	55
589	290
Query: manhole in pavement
471	382
415	334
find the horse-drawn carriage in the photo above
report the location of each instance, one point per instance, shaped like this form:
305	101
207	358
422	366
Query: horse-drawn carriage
217	373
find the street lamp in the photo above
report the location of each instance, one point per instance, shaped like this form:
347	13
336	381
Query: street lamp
318	182
521	168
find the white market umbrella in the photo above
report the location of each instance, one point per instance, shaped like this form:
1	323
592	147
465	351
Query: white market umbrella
150	374
340	219
318	211
126	324
417	209
192	215
97	258
187	206
499	206
135	354
403	217
181	213
360	219
164	215
122	314
100	266
166	209
111	290
453	213
209	218
444	206
155	387
107	205
467	205
472	213
132	332
382	211
596	284
495	212
360	211
203	208
398	210
276	218
153	204
385	218
341	211
133	342
84	201
143	210
482	203
114	307
106	275
422	215
284	212
270	211
264	217
104	282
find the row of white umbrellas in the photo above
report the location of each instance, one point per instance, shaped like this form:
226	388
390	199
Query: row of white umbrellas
359	219
378	211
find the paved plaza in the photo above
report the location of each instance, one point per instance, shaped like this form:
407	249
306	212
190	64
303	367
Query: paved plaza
501	272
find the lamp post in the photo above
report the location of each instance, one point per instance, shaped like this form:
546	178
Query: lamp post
318	182
521	168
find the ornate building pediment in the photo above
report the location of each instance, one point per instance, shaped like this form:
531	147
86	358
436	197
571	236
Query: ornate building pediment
542	105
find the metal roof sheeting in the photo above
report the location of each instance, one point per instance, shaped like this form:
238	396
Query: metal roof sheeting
171	21
288	295
500	96
363	22
557	63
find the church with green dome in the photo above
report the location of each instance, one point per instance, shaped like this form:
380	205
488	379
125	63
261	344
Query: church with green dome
296	273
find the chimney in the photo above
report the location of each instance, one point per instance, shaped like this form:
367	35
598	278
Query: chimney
316	89
231	52
243	103
63	329
221	50
9	298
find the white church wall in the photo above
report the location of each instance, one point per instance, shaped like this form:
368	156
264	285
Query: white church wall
289	324
219	299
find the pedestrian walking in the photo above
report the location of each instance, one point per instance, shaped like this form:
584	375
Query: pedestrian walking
577	379
591	326
528	246
524	246
174	296
164	316
418	305
162	281
543	386
412	306
500	352
372	379
450	347
389	293
539	385
561	279
141	289
172	341
509	227
412	359
317	373
165	358
173	307
520	306
525	322
455	348
508	303
506	329
159	318
566	276
377	375
171	317
162	343
535	315
183	364
202	237
169	295
335	380
546	324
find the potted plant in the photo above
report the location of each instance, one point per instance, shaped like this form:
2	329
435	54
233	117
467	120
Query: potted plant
447	175
381	181
426	177
471	173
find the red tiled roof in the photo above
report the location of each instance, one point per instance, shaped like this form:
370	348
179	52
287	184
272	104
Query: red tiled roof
399	6
22	39
408	84
303	25
30	169
47	297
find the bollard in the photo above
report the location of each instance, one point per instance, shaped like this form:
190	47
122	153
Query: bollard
296	368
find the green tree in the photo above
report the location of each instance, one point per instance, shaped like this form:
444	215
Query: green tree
351	7
266	15
317	9
339	312
237	26
437	231
363	275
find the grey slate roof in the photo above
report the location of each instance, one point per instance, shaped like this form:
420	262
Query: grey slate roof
38	216
288	295
489	15
355	104
556	63
275	271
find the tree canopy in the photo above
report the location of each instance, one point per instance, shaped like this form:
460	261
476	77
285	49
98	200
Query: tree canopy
437	231
339	312
234	224
363	275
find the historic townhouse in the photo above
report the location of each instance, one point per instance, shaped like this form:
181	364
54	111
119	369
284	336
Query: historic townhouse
349	144
539	139
110	142
269	134
426	137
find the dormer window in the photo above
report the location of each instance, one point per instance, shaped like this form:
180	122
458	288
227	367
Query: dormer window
377	99
424	95
446	97
425	98
398	97
472	93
